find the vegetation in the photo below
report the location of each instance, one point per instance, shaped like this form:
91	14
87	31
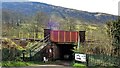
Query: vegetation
100	39
103	60
114	33
14	64
29	63
11	51
103	44
78	65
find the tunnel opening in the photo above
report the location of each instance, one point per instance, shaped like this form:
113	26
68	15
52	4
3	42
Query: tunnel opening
66	51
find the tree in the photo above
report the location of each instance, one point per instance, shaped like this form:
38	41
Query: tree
114	33
10	22
41	19
69	24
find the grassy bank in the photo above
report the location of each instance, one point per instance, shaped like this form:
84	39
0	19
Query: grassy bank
14	63
79	65
21	64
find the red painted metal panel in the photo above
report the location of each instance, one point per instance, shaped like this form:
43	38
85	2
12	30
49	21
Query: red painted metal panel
63	36
54	36
74	36
67	36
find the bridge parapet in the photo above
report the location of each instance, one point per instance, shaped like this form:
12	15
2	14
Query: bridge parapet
61	36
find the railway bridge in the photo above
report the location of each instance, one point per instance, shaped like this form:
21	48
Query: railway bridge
62	43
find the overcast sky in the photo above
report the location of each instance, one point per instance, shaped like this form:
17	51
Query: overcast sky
105	6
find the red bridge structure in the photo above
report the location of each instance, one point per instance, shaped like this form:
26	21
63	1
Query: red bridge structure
61	36
62	43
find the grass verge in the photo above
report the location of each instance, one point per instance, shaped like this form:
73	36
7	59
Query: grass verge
22	64
79	65
13	64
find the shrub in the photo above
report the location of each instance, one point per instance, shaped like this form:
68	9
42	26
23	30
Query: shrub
10	55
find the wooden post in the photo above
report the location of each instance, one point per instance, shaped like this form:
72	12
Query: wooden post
46	33
28	35
34	35
30	56
87	60
82	36
23	55
22	34
19	34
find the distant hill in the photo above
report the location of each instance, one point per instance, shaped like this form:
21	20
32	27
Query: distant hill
30	8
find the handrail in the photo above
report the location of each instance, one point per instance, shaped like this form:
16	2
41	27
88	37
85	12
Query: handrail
46	37
44	40
38	48
39	45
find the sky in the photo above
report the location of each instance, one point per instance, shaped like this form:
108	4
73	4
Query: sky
104	6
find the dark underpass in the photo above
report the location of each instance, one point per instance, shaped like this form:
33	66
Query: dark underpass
65	51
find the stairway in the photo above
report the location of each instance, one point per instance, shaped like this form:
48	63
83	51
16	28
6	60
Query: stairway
38	46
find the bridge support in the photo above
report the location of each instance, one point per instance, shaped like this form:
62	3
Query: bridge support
81	36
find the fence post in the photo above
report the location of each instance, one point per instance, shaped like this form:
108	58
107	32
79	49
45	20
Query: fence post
23	55
87	60
30	55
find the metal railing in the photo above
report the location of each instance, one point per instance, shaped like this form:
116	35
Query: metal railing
40	45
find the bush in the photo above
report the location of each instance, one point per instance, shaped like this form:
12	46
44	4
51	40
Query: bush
10	55
10	50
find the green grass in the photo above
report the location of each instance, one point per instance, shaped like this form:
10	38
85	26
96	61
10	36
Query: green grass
20	63
32	63
79	65
13	63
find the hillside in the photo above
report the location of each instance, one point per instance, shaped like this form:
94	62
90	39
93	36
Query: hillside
31	8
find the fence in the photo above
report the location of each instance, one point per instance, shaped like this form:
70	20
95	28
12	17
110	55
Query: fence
103	60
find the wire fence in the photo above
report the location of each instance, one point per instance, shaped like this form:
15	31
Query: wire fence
103	60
